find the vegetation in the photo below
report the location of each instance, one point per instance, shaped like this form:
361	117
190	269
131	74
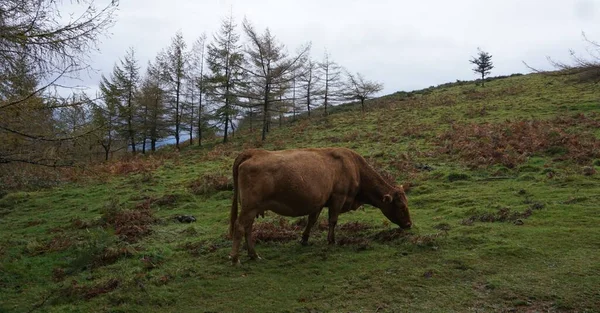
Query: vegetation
502	184
502	181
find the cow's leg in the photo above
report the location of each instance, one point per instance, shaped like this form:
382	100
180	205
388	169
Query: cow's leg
334	211
250	241
246	218
312	219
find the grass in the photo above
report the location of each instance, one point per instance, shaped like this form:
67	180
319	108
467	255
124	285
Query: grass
514	229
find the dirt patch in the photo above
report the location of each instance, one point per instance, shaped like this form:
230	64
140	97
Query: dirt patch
57	243
390	235
358	243
75	290
398	234
58	274
276	231
320	225
502	215
511	143
354	227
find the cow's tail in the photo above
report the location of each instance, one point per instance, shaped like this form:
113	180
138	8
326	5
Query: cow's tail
234	205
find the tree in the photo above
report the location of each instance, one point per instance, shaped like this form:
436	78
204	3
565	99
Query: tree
127	79
332	83
309	80
358	88
152	103
197	77
106	117
483	64
586	69
34	33
122	87
224	60
271	70
173	65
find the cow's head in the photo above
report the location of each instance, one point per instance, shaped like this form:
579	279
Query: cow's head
395	208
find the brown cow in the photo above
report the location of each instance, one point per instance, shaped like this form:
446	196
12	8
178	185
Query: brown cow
301	182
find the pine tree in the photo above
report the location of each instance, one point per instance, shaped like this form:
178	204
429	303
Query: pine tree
224	60
483	64
152	102
173	64
126	79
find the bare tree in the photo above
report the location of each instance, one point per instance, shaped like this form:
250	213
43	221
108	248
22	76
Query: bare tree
358	88
483	64
309	83
586	69
332	81
271	70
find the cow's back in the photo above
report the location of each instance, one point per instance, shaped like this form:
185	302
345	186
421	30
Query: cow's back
296	182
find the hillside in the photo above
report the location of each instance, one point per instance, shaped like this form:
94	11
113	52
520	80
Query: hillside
502	190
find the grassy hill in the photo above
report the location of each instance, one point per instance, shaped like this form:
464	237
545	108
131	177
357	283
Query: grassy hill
503	192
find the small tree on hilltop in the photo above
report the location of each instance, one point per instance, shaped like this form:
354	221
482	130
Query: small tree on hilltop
358	88
483	64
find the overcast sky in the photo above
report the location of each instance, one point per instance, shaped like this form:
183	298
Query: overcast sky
404	44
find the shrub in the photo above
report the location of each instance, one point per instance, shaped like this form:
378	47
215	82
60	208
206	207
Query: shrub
511	143
210	183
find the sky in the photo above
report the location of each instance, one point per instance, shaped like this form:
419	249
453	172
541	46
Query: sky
404	44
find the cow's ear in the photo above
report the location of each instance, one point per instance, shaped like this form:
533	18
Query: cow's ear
387	198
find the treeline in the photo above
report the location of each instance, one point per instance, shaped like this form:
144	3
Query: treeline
237	79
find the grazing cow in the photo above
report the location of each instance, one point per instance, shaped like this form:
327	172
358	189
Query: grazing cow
302	182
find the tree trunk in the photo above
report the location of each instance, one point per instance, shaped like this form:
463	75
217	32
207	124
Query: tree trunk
200	114
362	104
482	78
177	114
265	113
145	133
192	120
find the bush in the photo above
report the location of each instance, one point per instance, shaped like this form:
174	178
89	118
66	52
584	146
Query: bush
511	143
210	183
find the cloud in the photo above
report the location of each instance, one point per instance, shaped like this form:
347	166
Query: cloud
403	44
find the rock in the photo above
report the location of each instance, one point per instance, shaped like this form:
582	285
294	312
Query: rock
519	222
185	218
424	167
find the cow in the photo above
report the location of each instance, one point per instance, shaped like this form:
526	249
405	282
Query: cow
300	182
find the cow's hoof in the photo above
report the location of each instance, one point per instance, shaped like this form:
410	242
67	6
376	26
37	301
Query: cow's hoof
255	257
235	261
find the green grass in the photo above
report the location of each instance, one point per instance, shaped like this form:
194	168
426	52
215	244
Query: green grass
58	254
